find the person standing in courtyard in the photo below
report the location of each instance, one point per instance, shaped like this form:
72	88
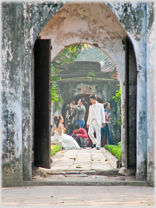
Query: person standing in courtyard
70	118
79	112
96	120
106	128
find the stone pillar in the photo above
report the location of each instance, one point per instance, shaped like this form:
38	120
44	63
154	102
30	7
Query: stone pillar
150	92
27	95
123	142
12	47
27	119
141	172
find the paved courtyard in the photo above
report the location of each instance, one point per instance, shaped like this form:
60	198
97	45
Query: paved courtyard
83	159
77	196
80	178
83	167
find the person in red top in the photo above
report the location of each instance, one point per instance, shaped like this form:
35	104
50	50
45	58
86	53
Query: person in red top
80	135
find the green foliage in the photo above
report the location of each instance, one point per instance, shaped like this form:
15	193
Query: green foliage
117	99
55	148
114	149
116	152
55	98
109	147
68	55
90	75
119	144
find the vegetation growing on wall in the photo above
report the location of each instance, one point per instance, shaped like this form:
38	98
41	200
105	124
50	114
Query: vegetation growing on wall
117	99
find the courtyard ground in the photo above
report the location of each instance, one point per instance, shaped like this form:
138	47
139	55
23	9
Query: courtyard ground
80	178
77	196
83	167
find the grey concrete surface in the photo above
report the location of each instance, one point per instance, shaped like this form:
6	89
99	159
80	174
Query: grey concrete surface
83	180
77	196
84	167
95	183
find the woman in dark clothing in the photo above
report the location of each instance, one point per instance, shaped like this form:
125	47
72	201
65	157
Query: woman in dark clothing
70	118
79	112
106	128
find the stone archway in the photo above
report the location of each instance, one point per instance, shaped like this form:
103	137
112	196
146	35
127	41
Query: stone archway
93	23
29	20
93	27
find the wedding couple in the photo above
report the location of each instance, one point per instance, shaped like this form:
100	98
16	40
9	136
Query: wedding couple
96	120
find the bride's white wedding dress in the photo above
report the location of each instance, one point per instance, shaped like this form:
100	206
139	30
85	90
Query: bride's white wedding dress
67	141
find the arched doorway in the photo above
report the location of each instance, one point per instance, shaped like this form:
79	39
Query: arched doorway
118	46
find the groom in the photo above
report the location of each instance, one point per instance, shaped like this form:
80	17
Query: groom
96	120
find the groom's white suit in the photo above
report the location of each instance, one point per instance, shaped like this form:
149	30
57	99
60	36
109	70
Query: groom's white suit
95	120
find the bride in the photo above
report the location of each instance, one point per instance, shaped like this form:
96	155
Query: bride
68	142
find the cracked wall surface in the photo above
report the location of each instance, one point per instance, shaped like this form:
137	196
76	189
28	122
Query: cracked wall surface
11	94
21	23
150	93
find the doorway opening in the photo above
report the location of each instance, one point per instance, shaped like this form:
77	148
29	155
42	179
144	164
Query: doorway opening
104	87
118	58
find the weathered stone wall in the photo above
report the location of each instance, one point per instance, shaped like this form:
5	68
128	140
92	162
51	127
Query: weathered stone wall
150	93
11	94
21	24
142	101
138	20
35	16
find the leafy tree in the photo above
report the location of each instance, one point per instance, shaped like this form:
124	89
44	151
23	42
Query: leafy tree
55	98
67	56
117	99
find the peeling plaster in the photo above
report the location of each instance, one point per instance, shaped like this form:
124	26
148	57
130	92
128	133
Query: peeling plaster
82	23
150	94
8	50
